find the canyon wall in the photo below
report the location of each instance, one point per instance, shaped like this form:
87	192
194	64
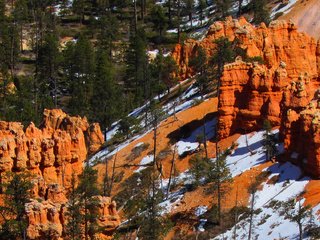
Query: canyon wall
280	89
52	153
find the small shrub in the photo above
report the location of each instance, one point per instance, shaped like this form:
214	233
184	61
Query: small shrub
277	15
136	151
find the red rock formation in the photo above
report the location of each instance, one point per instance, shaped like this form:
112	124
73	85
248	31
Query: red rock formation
251	92
47	219
279	90
54	151
301	135
279	42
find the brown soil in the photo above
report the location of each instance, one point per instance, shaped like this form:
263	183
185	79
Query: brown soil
305	13
312	193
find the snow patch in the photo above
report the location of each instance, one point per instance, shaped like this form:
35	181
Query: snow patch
144	161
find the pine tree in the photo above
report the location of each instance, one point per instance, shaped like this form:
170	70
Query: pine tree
159	19
201	8
189	7
164	71
137	72
79	68
17	192
296	212
220	177
73	226
108	29
49	60
104	102
260	11
87	190
198	169
21	15
200	65
224	54
269	141
223	7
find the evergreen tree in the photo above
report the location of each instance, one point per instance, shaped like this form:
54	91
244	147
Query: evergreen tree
260	12
17	192
21	102
49	60
201	8
219	174
269	141
223	7
9	49
189	5
105	105
296	212
87	190
200	65
108	28
79	68
198	169
164	71
224	54
137	72
79	7
159	19
73	226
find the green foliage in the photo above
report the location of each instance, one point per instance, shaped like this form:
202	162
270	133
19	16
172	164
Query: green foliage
163	72
87	203
17	192
73	226
79	68
296	212
199	168
200	65
104	102
224	54
269	141
137	72
223	7
128	126
261	14
159	19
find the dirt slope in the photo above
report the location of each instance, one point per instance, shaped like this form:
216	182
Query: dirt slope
305	13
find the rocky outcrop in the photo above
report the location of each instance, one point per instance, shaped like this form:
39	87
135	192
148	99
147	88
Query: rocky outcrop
280	89
48	219
301	136
279	42
251	92
54	151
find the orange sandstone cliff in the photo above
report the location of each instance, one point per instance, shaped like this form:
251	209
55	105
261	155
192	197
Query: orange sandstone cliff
52	153
280	90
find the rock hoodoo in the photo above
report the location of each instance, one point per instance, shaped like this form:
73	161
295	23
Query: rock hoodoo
280	89
53	153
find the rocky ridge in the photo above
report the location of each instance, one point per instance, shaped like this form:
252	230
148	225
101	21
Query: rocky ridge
53	153
280	89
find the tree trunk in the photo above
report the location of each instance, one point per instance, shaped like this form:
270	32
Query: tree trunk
171	170
235	217
205	137
239	8
113	174
170	12
142	9
179	13
251	214
135	15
